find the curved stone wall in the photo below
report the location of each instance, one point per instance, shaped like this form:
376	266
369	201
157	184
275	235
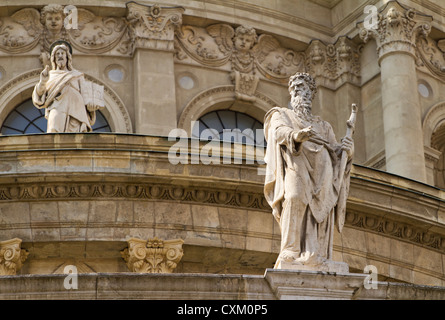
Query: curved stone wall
79	197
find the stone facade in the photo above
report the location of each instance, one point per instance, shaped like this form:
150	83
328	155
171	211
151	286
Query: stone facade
78	199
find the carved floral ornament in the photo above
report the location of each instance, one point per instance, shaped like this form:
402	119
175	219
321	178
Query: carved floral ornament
152	256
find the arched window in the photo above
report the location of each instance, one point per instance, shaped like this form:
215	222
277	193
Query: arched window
26	118
227	125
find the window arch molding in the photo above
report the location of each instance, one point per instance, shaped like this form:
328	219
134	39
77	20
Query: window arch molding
220	98
434	118
19	89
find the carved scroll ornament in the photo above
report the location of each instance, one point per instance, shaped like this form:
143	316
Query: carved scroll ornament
12	257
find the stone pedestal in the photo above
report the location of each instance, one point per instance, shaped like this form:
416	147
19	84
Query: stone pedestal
327	266
314	285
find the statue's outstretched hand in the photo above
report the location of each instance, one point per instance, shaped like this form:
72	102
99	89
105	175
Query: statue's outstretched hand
304	134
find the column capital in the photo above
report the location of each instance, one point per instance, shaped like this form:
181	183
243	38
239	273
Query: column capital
12	256
153	27
396	29
153	255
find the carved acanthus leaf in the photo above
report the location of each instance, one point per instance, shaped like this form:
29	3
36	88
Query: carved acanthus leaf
397	29
152	256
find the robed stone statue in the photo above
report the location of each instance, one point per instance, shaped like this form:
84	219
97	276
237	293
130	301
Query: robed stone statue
307	179
69	100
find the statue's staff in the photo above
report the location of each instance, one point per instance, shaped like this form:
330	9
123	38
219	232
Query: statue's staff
349	132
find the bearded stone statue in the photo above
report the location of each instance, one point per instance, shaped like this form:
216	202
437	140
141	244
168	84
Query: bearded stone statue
307	179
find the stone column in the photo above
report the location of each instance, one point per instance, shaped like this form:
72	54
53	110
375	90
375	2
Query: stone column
152	31
395	35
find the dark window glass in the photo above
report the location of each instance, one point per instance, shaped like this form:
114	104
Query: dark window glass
26	118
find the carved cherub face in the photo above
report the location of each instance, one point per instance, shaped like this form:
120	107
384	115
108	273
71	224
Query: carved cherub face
244	42
54	22
245	38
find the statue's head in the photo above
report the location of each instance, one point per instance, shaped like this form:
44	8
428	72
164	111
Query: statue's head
52	18
61	56
245	38
302	89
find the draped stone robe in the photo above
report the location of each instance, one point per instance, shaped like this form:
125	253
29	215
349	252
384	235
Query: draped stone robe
303	184
64	105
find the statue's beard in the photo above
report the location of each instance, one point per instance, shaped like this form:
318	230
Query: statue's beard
303	108
61	64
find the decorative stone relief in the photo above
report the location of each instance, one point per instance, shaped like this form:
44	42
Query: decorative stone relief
21	31
431	54
12	257
153	256
333	64
28	27
397	29
153	26
250	55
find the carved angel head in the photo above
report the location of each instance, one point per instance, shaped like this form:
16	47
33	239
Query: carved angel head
245	38
52	17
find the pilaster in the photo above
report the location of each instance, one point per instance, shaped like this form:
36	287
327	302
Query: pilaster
152	31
